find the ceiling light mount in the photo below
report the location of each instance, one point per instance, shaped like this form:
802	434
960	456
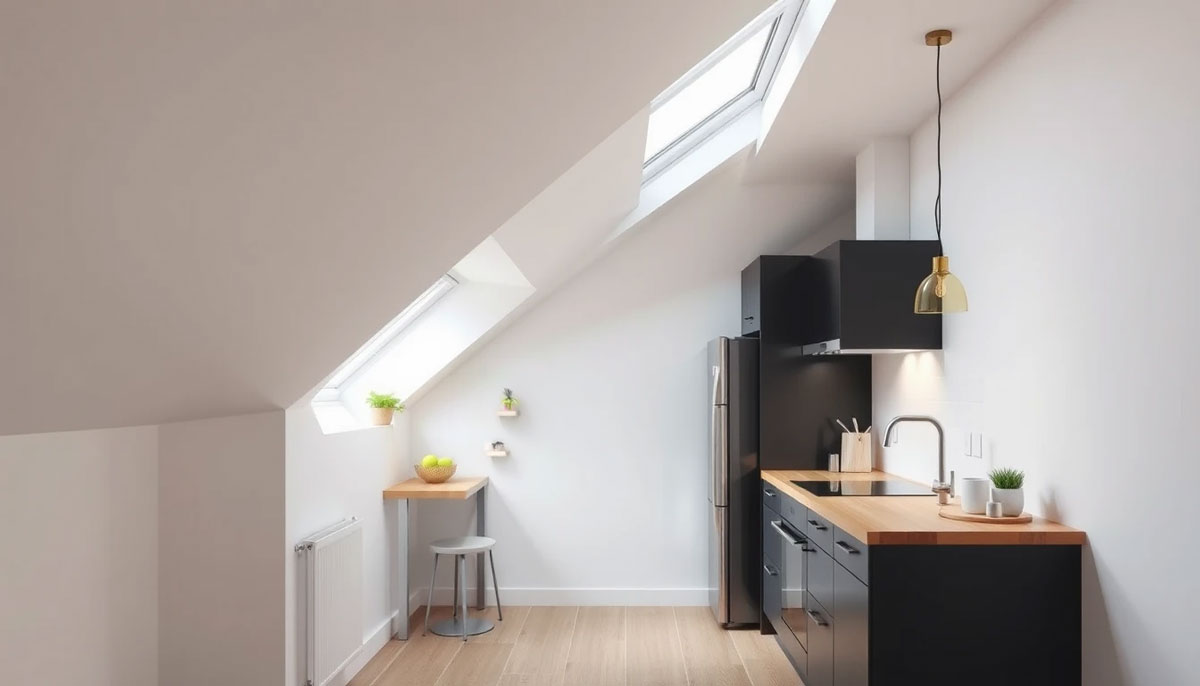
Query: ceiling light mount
938	37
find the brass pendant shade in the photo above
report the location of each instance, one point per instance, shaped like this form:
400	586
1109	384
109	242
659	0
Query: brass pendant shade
941	292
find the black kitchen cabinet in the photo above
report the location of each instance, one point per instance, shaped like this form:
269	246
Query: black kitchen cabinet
772	585
751	293
895	615
862	294
850	644
774	300
822	637
799	397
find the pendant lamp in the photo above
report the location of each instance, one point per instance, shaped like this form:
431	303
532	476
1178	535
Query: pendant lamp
941	292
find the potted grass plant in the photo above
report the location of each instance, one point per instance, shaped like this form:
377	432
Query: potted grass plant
1008	490
508	401
384	407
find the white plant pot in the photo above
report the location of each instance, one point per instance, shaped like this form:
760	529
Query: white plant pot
1012	500
382	416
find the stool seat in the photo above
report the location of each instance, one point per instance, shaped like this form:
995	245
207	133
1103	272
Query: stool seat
462	545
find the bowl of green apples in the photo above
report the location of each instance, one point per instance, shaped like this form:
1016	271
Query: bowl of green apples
434	470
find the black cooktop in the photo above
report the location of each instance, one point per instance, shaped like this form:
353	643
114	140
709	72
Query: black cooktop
826	488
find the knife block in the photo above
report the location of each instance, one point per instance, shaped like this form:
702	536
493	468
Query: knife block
856	452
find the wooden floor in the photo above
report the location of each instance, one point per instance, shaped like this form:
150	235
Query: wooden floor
584	646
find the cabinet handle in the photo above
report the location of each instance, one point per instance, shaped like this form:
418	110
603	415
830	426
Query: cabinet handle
769	571
750	318
846	548
816	617
819	526
787	535
769	493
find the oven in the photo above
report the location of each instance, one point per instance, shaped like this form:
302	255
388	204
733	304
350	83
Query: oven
792	584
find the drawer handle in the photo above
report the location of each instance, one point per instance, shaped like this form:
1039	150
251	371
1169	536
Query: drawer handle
787	535
769	493
846	548
769	571
819	526
816	617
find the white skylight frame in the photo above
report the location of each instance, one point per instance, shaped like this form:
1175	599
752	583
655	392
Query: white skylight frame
781	18
380	342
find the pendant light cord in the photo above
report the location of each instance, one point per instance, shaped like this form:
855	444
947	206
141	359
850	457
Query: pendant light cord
937	205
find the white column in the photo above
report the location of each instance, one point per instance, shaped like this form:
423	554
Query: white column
882	190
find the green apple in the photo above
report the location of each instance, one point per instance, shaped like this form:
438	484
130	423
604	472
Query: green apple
445	462
429	461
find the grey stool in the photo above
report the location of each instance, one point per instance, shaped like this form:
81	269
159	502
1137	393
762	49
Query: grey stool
460	548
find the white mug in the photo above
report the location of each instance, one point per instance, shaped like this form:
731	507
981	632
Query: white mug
975	492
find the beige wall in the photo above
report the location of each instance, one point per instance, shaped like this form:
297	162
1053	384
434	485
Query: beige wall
78	566
221	583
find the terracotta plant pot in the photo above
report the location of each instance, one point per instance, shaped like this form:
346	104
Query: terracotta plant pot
382	416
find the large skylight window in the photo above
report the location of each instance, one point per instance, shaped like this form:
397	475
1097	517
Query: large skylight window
382	340
719	89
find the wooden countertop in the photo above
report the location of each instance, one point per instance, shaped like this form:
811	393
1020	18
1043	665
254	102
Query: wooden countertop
910	520
457	488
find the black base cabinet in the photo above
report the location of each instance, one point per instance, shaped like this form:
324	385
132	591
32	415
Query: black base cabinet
899	615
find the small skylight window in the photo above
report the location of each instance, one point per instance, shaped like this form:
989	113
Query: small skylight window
380	341
719	89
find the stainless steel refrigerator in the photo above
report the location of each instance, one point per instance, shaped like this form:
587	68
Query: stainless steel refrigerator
733	579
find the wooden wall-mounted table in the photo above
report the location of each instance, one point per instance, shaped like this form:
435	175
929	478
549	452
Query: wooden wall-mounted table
458	488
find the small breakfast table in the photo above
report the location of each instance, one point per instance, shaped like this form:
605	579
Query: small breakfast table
460	488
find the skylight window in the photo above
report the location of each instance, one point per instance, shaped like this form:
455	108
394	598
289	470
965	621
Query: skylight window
382	340
720	89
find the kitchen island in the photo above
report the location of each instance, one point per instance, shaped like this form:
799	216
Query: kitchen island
880	590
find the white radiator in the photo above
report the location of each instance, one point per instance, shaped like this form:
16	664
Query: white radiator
333	604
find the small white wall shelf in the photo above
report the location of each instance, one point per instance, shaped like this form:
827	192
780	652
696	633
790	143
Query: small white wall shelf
496	453
508	413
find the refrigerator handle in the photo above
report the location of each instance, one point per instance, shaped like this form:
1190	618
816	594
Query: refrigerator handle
719	455
716	382
713	433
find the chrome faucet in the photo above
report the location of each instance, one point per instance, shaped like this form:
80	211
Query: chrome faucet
943	489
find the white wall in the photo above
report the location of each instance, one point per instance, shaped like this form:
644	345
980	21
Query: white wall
221	565
603	497
334	477
1072	168
79	566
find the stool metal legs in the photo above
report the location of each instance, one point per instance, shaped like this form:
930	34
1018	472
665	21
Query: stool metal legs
495	584
454	595
429	603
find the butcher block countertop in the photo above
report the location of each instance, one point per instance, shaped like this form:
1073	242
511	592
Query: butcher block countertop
910	520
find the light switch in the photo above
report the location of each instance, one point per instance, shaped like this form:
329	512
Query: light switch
977	445
968	443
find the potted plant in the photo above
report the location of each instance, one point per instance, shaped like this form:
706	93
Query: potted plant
384	406
508	401
1007	490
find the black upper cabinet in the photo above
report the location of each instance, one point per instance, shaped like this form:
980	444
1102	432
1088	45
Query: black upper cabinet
860	296
751	292
772	298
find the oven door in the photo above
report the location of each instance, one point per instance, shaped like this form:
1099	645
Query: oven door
794	579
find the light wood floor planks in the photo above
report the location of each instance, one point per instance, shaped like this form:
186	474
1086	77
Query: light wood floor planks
584	646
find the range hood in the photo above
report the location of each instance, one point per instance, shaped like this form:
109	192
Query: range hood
862	299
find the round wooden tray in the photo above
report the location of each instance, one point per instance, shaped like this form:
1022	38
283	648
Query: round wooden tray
955	512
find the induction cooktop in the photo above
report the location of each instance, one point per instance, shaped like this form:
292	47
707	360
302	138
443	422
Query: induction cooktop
828	488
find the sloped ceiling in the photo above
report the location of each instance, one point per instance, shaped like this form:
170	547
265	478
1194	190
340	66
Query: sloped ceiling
204	207
870	74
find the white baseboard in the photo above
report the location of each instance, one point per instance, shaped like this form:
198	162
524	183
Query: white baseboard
679	597
372	644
